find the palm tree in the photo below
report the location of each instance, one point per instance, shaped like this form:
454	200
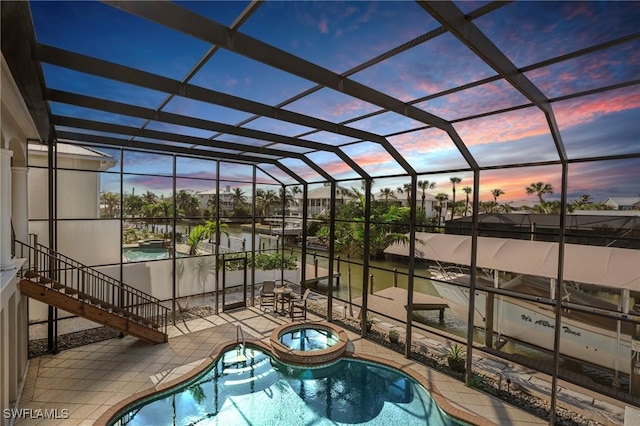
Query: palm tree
133	204
149	198
387	193
406	188
187	203
212	205
197	234
454	180
582	203
496	193
212	227
506	207
238	196
264	201
441	197
467	190
163	209
295	190
286	197
111	202
363	184
424	185
539	189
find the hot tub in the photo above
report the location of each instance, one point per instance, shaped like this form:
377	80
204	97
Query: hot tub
313	343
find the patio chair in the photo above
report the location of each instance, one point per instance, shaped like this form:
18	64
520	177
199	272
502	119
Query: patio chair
267	294
298	307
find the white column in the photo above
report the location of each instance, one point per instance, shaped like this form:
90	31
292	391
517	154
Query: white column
20	203
5	209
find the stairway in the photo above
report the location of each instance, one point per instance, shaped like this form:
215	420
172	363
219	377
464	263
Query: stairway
59	281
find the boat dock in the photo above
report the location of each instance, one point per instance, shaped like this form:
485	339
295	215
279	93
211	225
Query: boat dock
392	302
316	274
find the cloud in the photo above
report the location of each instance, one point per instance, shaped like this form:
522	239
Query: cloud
515	181
588	109
477	100
422	141
323	26
506	127
617	64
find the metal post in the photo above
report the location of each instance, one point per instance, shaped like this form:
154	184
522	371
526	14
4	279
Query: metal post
366	255
411	274
173	257
303	252
121	267
349	285
254	190
558	300
634	385
315	266
395	277
332	237
472	283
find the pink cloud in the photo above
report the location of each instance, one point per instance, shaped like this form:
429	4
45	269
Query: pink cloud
323	26
505	127
576	10
349	107
586	110
422	141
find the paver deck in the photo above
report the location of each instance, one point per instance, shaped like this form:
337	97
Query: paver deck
391	302
89	380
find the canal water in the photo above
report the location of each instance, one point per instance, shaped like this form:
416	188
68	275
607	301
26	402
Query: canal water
389	271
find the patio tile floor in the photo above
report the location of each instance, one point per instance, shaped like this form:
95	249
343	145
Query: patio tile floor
89	380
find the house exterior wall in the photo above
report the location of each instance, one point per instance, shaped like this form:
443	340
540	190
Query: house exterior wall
15	128
78	192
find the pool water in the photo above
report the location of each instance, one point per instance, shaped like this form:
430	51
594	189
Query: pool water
251	388
309	339
140	254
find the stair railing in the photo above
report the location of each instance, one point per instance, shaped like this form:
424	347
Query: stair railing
89	284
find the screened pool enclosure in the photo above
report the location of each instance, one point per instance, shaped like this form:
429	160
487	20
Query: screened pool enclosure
194	149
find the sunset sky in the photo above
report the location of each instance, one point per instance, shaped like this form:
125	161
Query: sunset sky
340	36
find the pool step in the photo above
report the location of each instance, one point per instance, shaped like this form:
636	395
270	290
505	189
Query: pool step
239	355
242	367
250	372
250	379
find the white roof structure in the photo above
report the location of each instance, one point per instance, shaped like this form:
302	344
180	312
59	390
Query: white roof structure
322	192
604	266
622	201
106	161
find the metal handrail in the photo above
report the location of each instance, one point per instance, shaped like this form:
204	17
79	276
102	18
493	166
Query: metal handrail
92	284
240	333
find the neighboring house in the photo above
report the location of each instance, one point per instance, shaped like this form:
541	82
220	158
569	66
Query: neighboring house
430	202
319	199
81	196
623	203
226	200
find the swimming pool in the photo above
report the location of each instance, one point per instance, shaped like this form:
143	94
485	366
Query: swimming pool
252	388
141	254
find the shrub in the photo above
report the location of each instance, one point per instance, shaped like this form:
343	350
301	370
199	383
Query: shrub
456	358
